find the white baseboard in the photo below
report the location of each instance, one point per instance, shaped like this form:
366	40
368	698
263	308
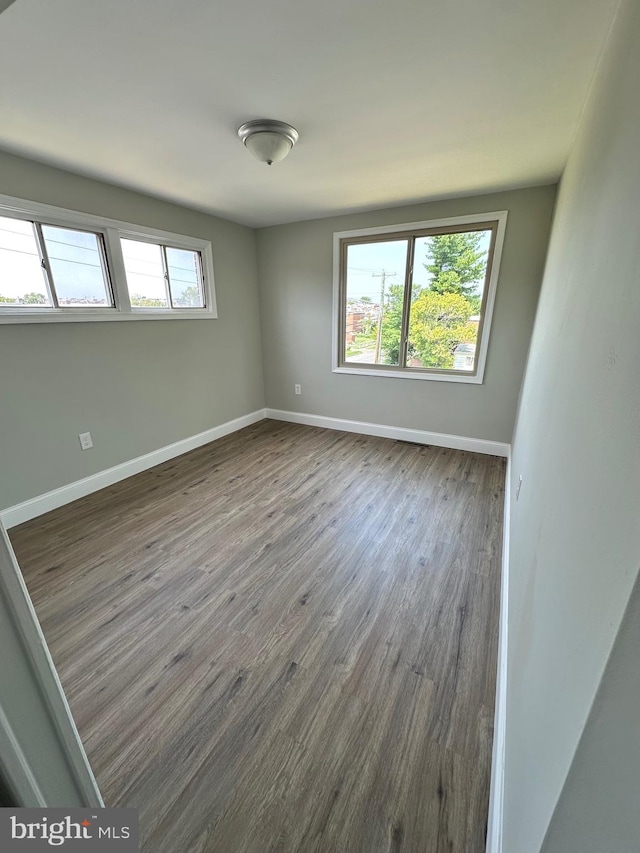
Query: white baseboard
496	796
34	507
25	511
419	436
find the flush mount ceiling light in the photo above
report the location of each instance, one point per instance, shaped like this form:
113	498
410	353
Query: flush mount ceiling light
269	141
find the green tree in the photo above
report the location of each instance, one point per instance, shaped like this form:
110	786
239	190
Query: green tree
34	299
189	298
10	299
147	302
456	263
391	324
438	323
439	316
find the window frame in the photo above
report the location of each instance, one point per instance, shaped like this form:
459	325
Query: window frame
342	239
49	277
109	232
125	235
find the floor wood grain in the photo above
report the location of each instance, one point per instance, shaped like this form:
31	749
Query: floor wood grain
283	641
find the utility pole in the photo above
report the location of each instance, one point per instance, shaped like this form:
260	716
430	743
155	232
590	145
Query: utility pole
383	277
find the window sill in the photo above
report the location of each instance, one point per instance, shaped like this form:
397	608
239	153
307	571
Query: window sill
105	316
411	374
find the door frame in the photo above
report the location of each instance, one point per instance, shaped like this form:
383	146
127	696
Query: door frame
36	664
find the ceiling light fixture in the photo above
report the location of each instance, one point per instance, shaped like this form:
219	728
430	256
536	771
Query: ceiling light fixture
269	141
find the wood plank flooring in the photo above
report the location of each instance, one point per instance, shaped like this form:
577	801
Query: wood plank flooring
283	641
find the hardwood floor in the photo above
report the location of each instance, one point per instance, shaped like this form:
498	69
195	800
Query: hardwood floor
283	641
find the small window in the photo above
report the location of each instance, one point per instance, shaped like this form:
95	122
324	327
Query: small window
46	266
415	301
162	276
59	265
77	267
185	278
145	274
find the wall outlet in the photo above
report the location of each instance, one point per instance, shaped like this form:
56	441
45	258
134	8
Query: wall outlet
86	442
519	487
297	389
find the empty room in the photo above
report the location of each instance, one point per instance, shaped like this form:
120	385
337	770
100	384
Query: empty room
320	455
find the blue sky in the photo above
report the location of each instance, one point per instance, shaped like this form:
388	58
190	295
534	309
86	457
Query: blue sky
366	261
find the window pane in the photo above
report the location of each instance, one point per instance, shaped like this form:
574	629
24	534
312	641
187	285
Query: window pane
446	299
21	275
145	274
374	294
184	278
77	270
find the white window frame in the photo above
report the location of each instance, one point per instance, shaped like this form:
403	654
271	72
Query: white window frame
439	375
111	231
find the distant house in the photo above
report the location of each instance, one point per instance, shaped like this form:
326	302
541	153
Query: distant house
464	356
353	325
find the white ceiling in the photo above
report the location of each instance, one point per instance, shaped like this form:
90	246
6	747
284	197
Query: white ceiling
396	101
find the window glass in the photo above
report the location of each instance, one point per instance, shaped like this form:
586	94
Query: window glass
77	267
375	274
145	274
448	280
22	280
185	278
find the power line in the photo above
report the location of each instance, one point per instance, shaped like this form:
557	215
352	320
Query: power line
21	252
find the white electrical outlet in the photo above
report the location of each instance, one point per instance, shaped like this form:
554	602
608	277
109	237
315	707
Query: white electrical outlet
519	486
86	442
297	389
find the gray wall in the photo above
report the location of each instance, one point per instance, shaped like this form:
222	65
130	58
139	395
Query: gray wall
136	386
599	809
575	537
296	285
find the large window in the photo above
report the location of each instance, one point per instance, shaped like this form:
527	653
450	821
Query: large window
416	300
57	265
